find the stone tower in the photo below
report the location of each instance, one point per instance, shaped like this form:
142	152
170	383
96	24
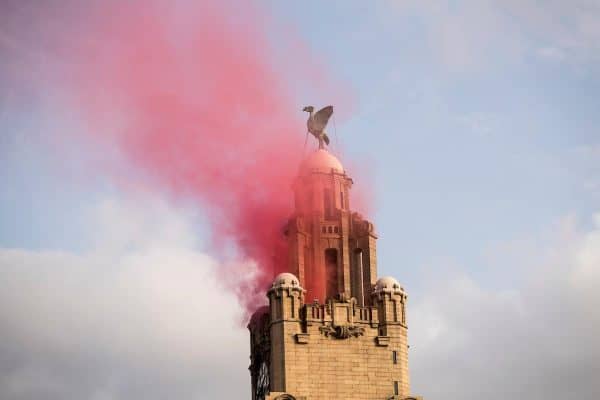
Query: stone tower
332	330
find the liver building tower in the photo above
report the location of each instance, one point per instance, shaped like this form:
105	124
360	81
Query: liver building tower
332	329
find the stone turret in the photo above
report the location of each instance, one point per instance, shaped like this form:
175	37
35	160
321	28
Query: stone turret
390	300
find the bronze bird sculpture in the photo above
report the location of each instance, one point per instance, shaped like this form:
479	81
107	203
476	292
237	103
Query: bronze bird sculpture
317	122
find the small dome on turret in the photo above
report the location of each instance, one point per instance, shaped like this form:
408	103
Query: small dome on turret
321	161
285	280
388	284
258	317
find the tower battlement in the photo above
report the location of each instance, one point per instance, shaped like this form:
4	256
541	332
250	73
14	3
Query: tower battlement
332	330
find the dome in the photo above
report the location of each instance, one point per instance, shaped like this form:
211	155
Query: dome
388	284
286	280
321	161
258	317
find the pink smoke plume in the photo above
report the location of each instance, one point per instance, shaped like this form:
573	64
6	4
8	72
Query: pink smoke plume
204	112
194	96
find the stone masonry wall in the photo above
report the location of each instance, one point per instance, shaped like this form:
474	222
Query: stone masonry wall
327	368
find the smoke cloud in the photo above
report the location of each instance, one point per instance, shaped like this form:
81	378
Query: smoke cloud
191	96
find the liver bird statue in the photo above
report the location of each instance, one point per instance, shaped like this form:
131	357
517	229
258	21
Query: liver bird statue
317	122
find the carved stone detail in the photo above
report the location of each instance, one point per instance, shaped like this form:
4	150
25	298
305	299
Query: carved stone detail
342	324
342	332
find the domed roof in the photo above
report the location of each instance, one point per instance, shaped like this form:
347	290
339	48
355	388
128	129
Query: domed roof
285	280
321	161
258	317
387	284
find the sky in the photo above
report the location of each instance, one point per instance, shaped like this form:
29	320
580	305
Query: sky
470	129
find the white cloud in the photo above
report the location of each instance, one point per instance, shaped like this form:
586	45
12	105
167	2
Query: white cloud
140	316
540	341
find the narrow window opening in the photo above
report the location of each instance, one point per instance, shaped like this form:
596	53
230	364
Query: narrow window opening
342	206
396	392
331	265
329	230
324	230
327	202
357	277
278	310
336	229
403	314
395	357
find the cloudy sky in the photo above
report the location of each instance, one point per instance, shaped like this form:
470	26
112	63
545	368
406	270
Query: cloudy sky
470	128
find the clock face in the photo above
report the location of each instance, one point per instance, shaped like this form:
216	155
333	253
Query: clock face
262	382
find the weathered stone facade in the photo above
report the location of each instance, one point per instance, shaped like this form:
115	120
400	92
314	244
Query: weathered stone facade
331	330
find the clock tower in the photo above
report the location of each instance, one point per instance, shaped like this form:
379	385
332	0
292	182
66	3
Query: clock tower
332	330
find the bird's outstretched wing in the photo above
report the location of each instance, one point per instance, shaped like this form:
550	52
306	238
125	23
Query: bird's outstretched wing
321	117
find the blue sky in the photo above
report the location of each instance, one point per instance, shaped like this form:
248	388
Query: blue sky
476	123
468	144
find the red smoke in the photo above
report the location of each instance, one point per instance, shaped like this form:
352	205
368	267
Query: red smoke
200	109
195	97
